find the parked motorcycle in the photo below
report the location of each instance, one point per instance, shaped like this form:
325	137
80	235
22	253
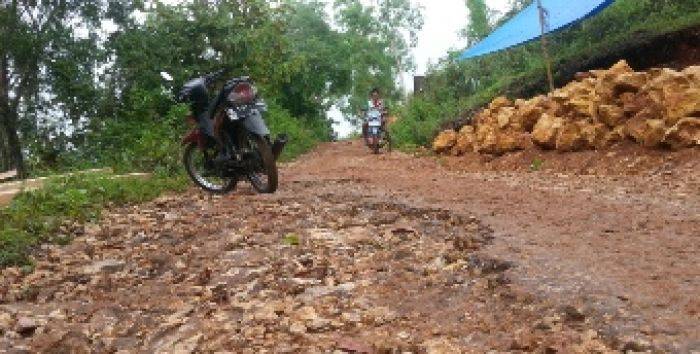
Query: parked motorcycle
376	135
231	142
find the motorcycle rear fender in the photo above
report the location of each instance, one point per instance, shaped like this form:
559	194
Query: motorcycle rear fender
256	125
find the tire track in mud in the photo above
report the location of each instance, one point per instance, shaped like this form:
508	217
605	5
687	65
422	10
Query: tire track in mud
612	248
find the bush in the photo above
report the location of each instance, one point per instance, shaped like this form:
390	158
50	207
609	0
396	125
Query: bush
420	118
153	144
149	144
301	138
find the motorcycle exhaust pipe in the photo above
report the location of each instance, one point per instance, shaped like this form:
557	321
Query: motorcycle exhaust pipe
278	145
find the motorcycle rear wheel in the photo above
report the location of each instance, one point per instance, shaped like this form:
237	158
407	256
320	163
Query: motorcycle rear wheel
195	162
375	147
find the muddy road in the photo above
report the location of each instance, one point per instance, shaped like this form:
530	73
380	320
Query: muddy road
391	253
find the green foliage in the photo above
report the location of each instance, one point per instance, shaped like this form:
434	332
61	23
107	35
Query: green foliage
536	164
479	26
138	144
301	138
420	119
108	91
519	72
37	216
291	240
40	53
377	51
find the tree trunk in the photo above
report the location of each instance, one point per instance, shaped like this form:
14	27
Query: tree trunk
8	123
4	155
14	144
8	120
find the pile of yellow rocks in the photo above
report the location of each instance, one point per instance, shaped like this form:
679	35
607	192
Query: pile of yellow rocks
659	107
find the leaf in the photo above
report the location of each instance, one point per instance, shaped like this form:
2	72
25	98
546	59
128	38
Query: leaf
291	240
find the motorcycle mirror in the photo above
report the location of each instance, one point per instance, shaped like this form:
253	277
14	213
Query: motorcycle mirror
166	76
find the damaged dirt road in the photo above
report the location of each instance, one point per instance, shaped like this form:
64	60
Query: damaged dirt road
391	253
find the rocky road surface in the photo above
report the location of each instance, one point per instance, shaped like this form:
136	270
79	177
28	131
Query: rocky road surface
377	254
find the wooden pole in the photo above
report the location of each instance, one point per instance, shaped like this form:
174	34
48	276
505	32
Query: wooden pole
545	51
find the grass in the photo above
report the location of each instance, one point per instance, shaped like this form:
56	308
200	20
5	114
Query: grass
36	217
536	164
291	240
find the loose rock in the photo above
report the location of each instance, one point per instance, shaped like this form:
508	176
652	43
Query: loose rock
26	326
654	108
105	266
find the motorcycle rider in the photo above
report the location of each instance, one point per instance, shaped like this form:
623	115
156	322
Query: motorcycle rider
375	102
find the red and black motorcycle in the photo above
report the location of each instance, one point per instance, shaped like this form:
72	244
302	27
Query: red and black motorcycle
231	141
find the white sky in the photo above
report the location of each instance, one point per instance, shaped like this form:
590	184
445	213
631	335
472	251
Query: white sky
443	21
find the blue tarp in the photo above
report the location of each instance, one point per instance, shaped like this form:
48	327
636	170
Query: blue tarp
525	26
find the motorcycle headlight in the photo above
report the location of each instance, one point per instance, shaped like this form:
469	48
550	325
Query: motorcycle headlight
242	93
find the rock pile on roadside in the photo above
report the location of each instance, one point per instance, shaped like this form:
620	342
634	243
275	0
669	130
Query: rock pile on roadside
656	108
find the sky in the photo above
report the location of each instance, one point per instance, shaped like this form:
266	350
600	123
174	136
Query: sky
443	21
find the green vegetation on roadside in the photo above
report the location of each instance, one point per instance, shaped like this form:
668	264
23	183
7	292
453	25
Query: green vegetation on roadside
39	216
455	89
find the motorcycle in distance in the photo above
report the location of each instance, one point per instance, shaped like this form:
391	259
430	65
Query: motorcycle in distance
377	137
242	149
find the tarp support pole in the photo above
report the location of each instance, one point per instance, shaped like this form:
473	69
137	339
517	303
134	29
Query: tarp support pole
545	51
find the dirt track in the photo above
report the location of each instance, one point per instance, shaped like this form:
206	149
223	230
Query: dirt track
394	253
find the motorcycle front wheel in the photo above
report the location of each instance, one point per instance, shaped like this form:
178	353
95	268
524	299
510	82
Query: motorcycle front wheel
199	166
264	179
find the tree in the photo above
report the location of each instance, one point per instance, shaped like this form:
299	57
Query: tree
72	94
5	162
515	6
518	5
479	25
379	38
46	67
318	58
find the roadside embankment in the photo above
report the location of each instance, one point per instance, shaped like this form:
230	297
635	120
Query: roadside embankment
659	108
